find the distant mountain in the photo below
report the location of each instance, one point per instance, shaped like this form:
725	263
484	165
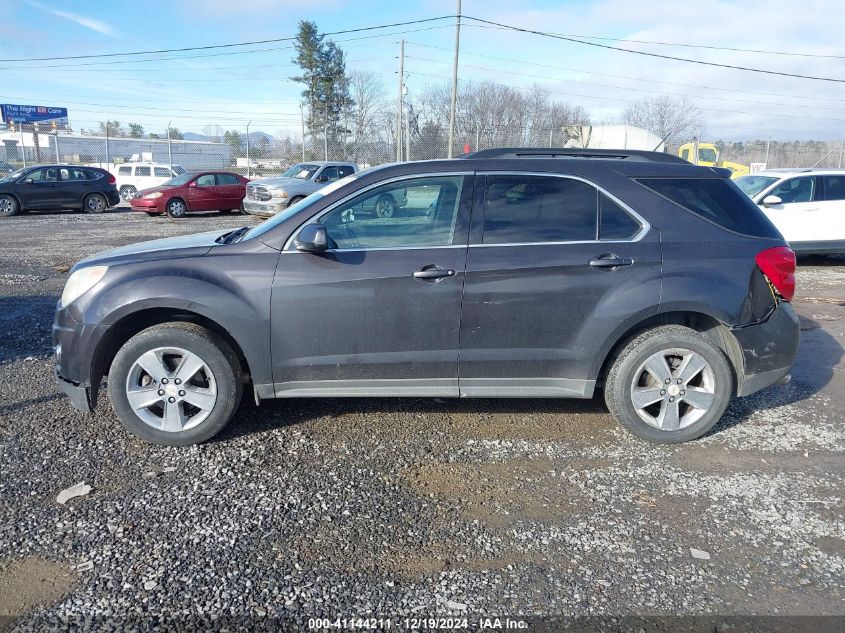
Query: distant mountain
254	137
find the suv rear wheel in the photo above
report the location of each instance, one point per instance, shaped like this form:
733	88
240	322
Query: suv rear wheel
95	203
175	384
127	192
669	384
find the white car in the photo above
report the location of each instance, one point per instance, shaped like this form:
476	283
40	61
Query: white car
806	205
134	177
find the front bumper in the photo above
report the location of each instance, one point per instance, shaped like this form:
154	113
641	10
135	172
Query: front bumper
80	396
264	209
768	349
146	205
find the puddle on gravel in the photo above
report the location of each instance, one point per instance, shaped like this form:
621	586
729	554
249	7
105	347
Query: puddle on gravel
31	582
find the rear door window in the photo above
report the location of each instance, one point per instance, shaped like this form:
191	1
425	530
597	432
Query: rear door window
227	179
345	170
717	200
614	222
125	171
801	189
834	187
530	209
142	171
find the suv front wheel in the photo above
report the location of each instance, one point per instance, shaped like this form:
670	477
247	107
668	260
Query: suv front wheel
669	384
175	384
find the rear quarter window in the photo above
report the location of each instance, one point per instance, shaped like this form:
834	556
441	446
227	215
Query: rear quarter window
717	200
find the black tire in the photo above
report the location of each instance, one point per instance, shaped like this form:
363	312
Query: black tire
294	200
127	192
214	352
385	206
95	203
9	206
627	366
176	208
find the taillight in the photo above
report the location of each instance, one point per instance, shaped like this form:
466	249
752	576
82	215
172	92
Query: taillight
778	264
112	179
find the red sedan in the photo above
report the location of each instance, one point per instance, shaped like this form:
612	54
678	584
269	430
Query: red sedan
202	191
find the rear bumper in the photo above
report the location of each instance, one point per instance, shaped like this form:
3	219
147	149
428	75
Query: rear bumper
768	349
113	198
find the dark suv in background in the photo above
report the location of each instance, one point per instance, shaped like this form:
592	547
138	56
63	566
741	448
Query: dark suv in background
525	273
57	187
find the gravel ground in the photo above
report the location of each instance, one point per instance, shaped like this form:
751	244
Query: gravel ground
406	507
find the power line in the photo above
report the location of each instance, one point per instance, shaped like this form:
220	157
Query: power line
627	77
588	83
685	45
658	55
575	94
216	46
223	54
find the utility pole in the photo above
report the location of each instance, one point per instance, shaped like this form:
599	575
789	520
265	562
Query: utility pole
399	103
23	147
326	131
56	138
408	137
302	122
768	142
454	101
842	142
477	137
108	149
248	173
169	148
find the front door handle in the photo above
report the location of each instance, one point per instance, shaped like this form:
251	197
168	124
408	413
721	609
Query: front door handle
433	273
609	260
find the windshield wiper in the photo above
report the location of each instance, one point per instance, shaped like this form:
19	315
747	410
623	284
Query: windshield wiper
232	236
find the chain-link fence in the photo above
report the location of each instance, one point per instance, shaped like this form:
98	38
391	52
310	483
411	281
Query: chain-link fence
269	155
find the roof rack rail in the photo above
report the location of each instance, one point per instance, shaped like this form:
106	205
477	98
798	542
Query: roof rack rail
574	152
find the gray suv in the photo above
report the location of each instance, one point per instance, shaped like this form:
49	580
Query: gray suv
512	273
267	196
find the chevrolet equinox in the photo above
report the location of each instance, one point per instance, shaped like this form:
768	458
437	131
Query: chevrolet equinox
508	273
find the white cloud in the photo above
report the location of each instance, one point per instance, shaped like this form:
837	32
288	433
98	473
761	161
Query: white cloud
89	23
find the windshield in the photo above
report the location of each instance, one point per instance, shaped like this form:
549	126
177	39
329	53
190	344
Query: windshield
293	209
303	171
14	175
178	180
752	185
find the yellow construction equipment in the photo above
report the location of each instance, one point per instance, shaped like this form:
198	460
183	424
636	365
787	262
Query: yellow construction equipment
707	155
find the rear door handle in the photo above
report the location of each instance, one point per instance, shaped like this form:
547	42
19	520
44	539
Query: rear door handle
433	273
609	260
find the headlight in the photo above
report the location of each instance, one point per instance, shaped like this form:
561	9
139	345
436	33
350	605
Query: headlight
153	195
278	193
81	282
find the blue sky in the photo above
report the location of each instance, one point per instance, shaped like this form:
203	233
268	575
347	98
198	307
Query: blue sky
220	88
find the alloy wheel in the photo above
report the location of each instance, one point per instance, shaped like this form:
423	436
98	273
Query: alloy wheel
171	389
672	389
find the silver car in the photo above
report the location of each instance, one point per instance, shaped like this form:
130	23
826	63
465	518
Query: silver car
267	196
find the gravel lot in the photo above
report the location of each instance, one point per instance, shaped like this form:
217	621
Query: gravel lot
407	507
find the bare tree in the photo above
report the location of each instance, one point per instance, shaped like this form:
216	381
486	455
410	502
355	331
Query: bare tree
214	132
368	94
675	120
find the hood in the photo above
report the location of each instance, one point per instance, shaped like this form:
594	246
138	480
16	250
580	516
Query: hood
171	247
278	181
144	192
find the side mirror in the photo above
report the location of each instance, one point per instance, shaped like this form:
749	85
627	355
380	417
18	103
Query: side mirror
321	179
313	238
771	201
28	180
193	183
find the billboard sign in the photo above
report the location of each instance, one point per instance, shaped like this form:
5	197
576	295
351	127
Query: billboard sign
32	114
